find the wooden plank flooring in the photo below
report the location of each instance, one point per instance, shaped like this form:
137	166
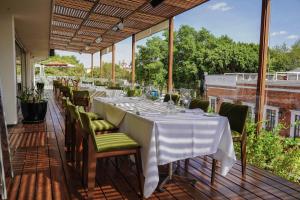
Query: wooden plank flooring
42	172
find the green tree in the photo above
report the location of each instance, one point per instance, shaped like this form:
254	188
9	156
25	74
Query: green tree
77	70
151	62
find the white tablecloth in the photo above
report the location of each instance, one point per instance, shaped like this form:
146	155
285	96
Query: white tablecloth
166	138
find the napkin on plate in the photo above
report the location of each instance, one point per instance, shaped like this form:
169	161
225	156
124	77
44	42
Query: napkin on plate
196	110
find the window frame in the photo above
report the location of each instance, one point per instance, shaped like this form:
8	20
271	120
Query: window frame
267	107
292	128
211	98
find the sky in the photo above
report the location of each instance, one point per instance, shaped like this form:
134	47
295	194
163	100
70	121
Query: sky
239	19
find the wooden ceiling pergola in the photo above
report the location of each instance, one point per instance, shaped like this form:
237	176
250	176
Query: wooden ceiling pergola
76	24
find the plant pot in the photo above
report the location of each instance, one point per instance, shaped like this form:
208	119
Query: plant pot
34	112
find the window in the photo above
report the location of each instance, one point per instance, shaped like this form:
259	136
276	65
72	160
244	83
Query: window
251	110
213	103
271	117
295	124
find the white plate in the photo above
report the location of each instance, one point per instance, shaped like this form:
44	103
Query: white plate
211	115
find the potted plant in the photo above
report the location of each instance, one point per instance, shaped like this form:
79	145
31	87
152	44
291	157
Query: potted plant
33	105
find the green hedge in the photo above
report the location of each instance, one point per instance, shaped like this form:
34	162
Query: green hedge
272	152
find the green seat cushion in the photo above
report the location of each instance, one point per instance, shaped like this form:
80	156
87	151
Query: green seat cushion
114	141
94	116
102	125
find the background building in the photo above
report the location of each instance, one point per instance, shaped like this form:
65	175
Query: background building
282	103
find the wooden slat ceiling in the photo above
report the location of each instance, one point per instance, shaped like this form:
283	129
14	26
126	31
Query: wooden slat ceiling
76	24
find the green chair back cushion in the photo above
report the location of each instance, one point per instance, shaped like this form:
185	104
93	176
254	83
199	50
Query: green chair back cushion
67	91
102	125
81	98
175	98
236	114
197	103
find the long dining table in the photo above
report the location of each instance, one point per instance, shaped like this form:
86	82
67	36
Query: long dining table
168	135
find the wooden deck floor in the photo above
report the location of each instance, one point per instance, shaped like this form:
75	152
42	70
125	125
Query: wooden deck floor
42	172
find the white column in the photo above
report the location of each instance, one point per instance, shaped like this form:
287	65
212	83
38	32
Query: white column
8	67
29	71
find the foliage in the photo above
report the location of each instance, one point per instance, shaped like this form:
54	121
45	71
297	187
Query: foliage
99	83
151	65
31	95
106	72
270	151
133	92
198	51
77	70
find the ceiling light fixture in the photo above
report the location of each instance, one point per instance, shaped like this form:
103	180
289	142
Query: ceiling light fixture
155	3
98	40
119	26
87	48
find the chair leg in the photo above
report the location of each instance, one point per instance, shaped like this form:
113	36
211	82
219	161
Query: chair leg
92	162
73	145
78	157
243	158
138	163
186	163
213	171
117	162
85	158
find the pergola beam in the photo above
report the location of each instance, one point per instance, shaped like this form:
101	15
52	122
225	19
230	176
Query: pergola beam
133	61
263	59
171	48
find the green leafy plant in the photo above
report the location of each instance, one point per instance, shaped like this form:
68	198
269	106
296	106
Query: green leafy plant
270	151
31	95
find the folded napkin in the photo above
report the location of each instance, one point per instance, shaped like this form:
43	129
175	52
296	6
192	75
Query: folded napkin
196	110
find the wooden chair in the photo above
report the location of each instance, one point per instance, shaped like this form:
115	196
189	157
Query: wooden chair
175	98
237	116
75	126
57	89
82	98
197	103
68	127
105	146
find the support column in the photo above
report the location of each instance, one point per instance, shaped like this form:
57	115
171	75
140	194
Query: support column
92	65
8	78
133	61
113	67
29	71
101	70
171	46
263	58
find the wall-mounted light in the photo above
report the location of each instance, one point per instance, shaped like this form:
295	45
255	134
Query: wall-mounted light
98	40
